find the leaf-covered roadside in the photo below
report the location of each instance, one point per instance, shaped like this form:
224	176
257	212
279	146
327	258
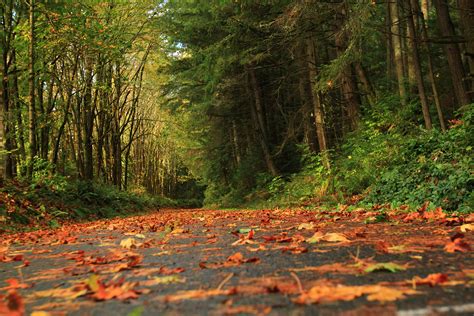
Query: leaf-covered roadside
227	262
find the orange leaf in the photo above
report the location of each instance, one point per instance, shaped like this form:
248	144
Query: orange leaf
168	271
458	244
12	304
432	279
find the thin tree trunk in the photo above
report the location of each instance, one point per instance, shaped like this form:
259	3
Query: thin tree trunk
431	77
88	123
417	66
259	122
316	101
31	97
18	114
389	50
425	9
235	141
364	79
397	50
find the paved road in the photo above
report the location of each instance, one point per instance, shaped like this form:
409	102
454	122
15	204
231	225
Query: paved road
279	262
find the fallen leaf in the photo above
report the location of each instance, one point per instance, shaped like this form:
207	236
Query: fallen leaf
329	237
41	313
384	266
169	279
332	293
467	227
244	230
385	294
12	304
321	294
119	290
307	226
245	239
129	243
15	284
431	279
168	271
68	293
196	294
458	244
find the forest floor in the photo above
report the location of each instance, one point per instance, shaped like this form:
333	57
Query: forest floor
277	262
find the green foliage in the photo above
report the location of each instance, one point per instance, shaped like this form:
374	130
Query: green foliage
374	147
389	159
40	205
432	166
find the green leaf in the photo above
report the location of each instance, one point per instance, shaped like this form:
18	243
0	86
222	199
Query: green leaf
244	230
138	311
384	266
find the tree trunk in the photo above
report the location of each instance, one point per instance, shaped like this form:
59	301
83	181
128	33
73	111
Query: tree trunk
31	96
431	77
364	80
6	111
425	9
452	51
397	50
315	97
2	132
18	114
88	123
257	115
416	65
466	14
235	141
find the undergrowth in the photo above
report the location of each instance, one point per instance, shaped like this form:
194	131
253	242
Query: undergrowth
49	200
389	159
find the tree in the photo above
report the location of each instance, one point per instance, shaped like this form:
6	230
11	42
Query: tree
452	51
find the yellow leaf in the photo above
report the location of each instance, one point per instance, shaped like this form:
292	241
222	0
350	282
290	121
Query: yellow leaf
330	237
467	227
305	226
129	243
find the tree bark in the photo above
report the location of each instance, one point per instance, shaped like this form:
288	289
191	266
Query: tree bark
315	97
364	80
416	64
257	114
88	122
452	51
397	50
466	14
31	95
431	77
6	114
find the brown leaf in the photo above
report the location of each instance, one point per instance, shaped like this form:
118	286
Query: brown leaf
168	271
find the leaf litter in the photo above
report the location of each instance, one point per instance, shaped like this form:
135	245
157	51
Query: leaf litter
148	254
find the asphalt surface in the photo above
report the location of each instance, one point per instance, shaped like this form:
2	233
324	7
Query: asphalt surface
187	264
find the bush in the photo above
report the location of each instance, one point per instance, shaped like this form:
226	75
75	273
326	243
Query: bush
433	166
388	159
44	203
